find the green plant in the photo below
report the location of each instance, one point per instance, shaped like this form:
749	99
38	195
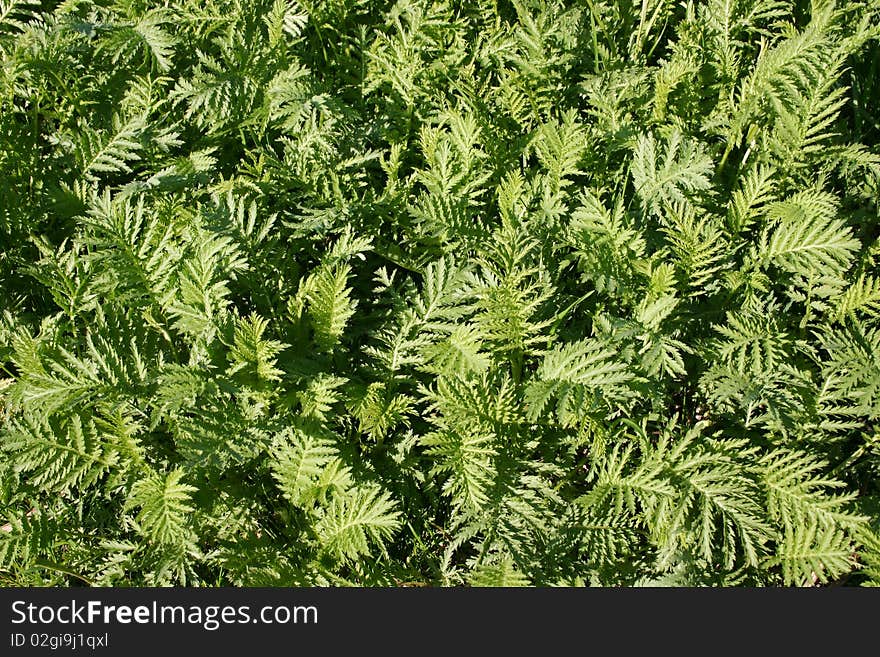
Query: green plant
522	292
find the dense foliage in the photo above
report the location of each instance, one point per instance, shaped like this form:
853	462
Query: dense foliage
436	293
